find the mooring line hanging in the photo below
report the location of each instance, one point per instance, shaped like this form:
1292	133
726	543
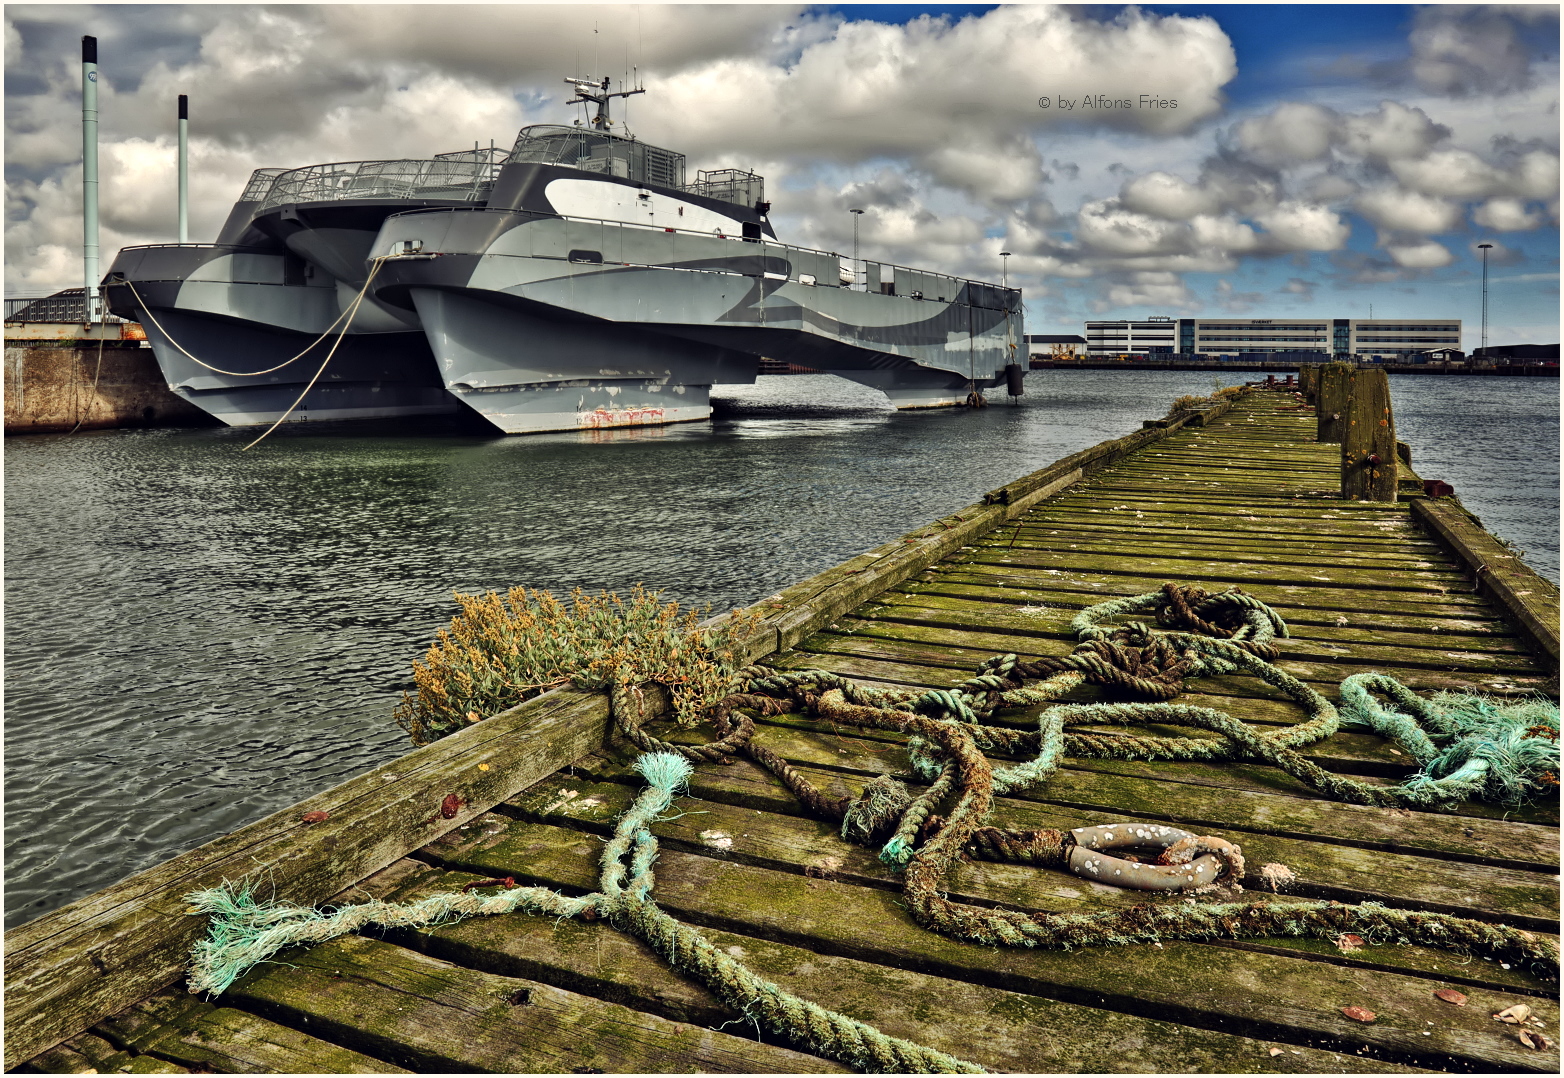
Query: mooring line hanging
346	313
92	393
350	312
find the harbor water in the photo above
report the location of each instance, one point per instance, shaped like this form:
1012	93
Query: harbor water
198	636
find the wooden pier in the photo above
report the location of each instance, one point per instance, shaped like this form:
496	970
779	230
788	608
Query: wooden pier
1236	495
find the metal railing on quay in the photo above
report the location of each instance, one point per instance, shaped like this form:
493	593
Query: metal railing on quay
68	305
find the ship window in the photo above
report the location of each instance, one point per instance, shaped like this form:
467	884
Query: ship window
806	278
594	257
751	231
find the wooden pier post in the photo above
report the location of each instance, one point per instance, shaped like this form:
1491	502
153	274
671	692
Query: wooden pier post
1368	443
1309	382
1331	402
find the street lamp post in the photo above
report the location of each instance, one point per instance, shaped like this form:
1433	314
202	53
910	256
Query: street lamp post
1484	247
1012	370
856	214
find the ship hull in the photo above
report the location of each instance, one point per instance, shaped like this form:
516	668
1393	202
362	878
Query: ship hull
244	332
639	322
527	370
368	377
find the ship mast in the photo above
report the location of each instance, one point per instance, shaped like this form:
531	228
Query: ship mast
589	90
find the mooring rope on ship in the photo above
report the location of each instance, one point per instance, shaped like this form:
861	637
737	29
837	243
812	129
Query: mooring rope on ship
1467	747
350	312
346	313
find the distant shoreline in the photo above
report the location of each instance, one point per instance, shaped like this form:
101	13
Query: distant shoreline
1514	370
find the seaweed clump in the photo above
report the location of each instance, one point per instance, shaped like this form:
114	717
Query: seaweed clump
503	649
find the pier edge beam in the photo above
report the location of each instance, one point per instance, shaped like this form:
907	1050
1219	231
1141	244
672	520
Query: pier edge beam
1369	457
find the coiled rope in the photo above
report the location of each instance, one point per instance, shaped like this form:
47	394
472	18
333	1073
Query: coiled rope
1493	755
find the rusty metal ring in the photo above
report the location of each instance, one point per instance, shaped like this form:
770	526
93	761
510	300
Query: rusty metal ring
1087	860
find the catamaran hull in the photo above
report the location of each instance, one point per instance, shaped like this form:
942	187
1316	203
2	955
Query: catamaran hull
536	330
527	372
212	335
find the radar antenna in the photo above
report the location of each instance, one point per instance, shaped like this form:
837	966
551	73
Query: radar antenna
591	90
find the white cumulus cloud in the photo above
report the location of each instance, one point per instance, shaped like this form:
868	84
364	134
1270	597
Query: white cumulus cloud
1408	211
1506	215
1425	255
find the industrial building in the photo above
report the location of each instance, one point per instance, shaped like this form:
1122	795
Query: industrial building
1043	345
1386	338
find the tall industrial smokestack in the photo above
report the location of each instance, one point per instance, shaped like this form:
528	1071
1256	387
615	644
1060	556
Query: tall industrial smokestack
184	169
89	171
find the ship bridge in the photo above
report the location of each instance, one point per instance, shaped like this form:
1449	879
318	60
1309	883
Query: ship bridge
609	154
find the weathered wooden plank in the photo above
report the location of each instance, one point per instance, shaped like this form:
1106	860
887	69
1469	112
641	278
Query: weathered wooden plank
1197	525
1044	548
1019	583
1209	447
1283	545
1304	510
1190	452
90	1053
426	1014
965	650
1111	536
1298	486
97	956
1208	987
176	1026
1198	565
1304	480
1405	541
1303	502
1052	619
995	640
1004	1031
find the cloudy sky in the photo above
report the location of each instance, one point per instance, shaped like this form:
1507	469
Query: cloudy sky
1266	160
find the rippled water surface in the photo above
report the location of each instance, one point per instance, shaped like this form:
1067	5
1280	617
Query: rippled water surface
196	637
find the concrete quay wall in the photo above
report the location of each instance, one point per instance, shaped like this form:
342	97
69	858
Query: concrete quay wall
85	384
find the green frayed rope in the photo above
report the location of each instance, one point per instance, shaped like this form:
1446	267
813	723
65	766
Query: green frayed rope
244	932
1468	746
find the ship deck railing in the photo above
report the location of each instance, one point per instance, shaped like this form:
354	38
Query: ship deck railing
843	261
